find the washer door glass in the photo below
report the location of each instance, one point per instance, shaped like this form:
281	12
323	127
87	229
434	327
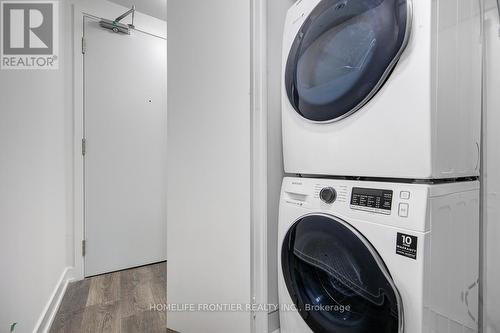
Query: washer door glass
336	279
343	53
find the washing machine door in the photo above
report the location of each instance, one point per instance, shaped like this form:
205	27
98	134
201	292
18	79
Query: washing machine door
343	54
336	279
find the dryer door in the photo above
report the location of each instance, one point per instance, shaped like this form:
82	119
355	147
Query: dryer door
336	279
342	55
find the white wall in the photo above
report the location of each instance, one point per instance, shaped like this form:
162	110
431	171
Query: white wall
33	197
208	239
36	180
155	8
34	168
276	19
491	170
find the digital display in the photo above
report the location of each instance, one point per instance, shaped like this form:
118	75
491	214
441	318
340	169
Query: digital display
372	200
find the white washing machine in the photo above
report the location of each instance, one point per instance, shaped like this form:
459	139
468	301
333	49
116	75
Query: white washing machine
366	257
382	88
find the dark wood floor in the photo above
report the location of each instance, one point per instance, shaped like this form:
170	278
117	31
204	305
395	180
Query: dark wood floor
115	303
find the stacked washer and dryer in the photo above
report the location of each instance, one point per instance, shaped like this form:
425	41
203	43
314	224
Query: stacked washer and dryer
381	112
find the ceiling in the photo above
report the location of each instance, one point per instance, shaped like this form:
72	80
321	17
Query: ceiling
155	8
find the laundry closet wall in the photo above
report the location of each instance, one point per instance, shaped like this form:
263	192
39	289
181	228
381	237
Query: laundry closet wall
491	171
209	121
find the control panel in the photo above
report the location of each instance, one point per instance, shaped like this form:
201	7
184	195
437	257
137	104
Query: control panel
372	200
330	195
401	205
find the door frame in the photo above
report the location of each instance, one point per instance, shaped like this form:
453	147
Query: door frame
79	13
258	168
258	186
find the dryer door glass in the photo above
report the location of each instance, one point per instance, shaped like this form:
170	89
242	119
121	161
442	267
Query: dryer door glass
343	53
337	280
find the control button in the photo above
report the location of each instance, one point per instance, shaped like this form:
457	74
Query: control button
403	209
404	195
328	195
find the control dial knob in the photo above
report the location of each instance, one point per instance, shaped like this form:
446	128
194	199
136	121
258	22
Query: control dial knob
328	195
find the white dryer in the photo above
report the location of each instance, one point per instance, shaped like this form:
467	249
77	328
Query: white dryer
382	88
370	257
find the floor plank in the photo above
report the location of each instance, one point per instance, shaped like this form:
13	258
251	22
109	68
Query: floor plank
101	318
67	322
147	321
136	300
75	298
104	289
115	303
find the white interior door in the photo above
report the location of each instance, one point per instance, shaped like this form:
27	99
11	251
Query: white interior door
125	158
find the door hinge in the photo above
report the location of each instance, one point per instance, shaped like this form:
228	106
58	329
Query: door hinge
84	249
84	146
84	46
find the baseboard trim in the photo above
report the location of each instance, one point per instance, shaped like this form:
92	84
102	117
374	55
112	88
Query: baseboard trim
50	310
